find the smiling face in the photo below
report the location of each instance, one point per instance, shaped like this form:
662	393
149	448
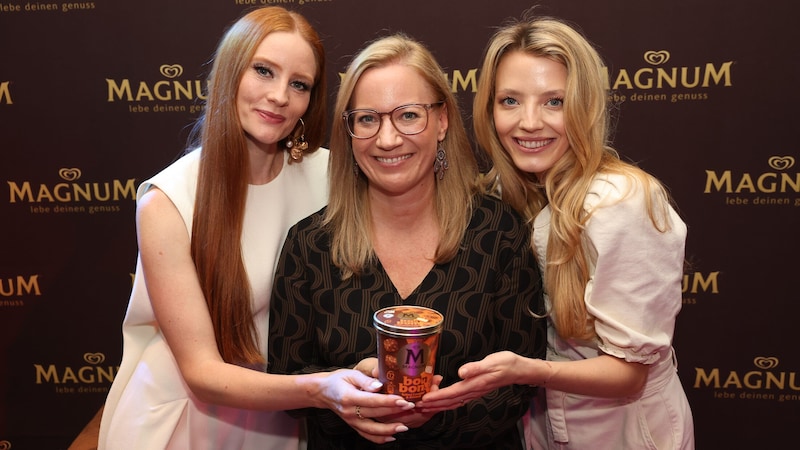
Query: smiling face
393	162
529	111
275	89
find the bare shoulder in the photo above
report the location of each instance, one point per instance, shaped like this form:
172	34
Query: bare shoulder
154	202
155	212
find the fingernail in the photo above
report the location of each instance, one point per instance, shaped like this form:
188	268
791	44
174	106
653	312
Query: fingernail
376	385
401	428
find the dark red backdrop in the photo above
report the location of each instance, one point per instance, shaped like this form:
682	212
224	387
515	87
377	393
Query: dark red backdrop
89	108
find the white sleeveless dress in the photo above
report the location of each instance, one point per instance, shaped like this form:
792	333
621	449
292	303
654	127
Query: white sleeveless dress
149	405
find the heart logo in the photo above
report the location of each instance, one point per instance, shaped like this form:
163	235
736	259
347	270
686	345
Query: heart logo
781	162
69	174
171	70
94	358
656	58
763	362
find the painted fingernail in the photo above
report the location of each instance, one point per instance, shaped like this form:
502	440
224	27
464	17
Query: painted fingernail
401	428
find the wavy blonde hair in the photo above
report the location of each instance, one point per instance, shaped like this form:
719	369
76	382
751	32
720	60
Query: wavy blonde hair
566	184
347	217
223	177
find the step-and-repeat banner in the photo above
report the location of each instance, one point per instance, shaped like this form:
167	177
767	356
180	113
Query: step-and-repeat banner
97	96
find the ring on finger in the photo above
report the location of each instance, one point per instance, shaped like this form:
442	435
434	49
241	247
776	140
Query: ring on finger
358	413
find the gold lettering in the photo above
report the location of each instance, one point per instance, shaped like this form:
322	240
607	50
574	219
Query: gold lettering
733	379
48	375
26	287
663	76
107	375
623	79
105	195
637	79
711	177
59	191
69	374
44	193
706	379
143	91
468	83
163	94
18	193
753	380
668	77
685	79
746	183
711	72
5	93
82	374
774	381
84	193
697	280
118	91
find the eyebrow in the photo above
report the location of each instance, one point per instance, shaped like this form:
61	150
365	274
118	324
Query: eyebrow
266	60
550	93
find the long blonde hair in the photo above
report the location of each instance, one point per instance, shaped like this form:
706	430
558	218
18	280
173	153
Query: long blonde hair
223	177
566	184
347	216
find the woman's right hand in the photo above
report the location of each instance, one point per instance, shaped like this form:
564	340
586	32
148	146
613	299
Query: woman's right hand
348	392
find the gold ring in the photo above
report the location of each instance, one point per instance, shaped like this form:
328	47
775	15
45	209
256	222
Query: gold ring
358	413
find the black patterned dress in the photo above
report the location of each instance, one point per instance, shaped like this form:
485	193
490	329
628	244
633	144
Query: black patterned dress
320	323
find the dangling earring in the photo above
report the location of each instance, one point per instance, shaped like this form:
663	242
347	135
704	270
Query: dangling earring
298	144
441	164
356	171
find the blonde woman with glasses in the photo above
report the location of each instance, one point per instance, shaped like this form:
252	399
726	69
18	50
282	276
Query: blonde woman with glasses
406	225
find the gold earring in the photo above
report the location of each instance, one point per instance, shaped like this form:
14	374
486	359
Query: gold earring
298	144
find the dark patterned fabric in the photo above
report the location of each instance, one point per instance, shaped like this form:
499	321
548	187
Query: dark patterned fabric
320	323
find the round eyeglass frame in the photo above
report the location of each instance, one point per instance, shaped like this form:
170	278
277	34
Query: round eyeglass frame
427	106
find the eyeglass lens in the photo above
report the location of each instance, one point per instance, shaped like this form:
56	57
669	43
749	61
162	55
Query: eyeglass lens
407	119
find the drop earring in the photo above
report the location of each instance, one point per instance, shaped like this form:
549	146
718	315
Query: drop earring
298	144
441	164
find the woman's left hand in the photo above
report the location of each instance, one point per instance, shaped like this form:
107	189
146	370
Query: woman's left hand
478	378
368	366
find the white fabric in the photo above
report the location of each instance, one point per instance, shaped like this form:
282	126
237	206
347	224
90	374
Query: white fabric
149	405
634	293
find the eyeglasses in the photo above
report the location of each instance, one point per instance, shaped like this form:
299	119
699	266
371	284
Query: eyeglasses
407	119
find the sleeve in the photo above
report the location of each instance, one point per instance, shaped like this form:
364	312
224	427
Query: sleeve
487	421
635	290
290	343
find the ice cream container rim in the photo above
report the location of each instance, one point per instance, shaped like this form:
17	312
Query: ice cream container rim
407	331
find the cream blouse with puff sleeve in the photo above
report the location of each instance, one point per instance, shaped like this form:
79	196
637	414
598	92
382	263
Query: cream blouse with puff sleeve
634	291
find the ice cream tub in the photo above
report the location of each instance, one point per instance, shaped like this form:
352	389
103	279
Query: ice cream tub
408	340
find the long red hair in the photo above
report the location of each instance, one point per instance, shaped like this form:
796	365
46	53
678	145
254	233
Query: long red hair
223	178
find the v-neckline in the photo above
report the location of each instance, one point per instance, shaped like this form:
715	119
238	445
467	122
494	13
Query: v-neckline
391	283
